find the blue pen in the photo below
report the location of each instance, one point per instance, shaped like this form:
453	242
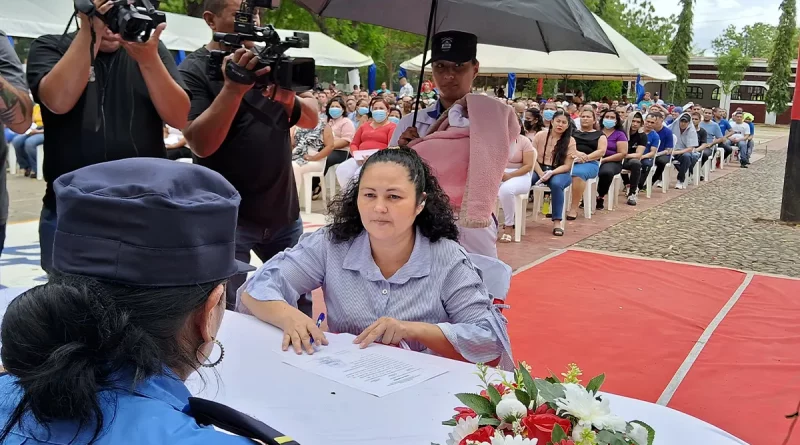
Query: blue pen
320	319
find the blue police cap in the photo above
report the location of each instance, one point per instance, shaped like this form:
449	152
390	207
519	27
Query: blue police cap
147	222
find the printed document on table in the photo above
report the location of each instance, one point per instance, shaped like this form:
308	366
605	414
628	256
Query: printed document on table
374	370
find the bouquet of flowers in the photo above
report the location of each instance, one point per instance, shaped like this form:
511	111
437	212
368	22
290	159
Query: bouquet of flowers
528	411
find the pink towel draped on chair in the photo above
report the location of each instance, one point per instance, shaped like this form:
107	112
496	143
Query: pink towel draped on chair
470	162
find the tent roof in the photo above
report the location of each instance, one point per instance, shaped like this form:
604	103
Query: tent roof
33	18
499	60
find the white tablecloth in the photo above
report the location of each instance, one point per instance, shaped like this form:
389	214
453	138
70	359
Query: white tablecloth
317	411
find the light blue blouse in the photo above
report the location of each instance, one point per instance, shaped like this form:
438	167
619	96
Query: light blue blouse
438	285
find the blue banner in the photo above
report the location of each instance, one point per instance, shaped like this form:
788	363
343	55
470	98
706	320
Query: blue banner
512	84
639	89
11	40
402	73
372	77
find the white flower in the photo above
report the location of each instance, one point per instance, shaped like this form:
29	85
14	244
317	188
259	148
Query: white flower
588	410
638	434
463	428
499	439
577	432
511	408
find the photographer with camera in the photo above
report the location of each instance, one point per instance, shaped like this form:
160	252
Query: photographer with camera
243	133
103	102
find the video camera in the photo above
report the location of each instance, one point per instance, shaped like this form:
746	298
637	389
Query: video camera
296	74
133	22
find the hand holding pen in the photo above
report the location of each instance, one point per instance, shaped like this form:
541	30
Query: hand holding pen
299	331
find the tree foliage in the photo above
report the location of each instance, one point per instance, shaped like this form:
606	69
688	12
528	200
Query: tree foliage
732	66
638	22
679	54
780	59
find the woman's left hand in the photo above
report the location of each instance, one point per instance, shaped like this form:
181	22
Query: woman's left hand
390	331
310	158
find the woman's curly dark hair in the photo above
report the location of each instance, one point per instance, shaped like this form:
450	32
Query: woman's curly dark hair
436	221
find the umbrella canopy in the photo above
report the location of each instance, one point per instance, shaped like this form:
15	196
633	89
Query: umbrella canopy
631	62
541	25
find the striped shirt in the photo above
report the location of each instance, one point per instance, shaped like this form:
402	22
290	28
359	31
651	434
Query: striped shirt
438	285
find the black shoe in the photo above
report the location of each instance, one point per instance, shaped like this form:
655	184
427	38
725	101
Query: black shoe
581	206
599	204
744	165
27	173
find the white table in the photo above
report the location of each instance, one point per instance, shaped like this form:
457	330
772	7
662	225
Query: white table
317	411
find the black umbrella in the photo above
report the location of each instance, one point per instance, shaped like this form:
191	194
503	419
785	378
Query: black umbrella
542	25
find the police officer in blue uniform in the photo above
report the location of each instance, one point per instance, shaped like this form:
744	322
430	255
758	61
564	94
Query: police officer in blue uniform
99	355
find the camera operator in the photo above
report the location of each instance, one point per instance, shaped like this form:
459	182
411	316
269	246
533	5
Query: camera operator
256	157
15	113
135	88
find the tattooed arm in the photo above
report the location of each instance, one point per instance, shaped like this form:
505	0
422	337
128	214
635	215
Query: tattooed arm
15	107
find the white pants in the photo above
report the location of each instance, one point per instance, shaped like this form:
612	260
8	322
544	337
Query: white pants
347	171
482	241
300	170
508	192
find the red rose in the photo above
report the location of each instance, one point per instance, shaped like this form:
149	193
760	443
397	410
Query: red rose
464	412
544	409
481	435
540	426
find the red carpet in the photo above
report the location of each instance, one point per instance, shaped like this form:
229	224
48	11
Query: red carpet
637	320
748	376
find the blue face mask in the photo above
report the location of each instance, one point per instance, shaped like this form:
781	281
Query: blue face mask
379	115
609	123
394	120
335	112
548	114
363	111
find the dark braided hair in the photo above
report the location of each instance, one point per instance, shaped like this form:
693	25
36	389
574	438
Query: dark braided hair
562	145
436	221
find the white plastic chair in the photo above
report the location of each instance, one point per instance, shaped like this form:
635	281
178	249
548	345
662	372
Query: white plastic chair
186	160
12	159
588	193
308	181
613	191
718	153
332	180
538	200
40	163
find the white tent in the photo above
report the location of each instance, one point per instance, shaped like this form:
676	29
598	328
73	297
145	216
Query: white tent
33	18
499	60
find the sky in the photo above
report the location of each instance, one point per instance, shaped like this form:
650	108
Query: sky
712	16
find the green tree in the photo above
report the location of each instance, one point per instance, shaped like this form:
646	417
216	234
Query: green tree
608	88
638	22
678	58
731	67
780	60
755	41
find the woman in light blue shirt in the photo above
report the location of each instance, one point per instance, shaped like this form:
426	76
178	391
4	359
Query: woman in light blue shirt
391	271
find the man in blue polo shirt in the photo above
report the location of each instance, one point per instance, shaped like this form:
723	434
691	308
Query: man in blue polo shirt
666	143
652	148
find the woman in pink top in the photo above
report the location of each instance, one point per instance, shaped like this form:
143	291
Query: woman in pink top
373	135
516	180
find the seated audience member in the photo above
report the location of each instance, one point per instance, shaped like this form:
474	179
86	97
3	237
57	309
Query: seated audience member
336	137
393	235
395	114
651	148
556	153
374	134
703	150
748	119
591	146
673	116
26	145
352	109
306	145
741	136
617	149
622	111
666	143
548	112
362	112
427	91
175	144
532	122
112	346
516	181
716	138
637	144
685	144
646	102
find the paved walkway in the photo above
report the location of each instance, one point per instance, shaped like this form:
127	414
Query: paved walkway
729	222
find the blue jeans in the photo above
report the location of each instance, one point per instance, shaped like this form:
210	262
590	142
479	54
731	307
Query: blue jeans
745	150
25	146
47	234
557	184
586	170
265	245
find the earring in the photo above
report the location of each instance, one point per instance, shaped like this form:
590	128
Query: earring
219	360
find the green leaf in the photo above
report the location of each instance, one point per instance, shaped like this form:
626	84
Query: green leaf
494	394
478	403
651	433
606	437
523	397
558	434
451	422
490	421
548	390
595	383
530	386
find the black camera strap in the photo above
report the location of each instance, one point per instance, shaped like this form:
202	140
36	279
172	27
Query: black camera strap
91	108
296	112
